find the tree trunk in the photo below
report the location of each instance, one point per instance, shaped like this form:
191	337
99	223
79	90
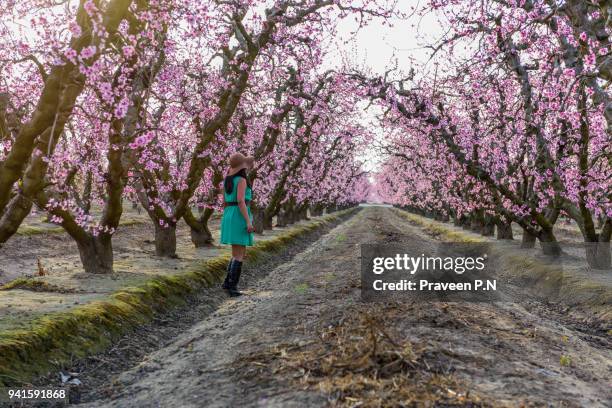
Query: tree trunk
598	254
528	240
439	216
258	219
165	241
96	254
316	211
281	218
549	243
199	231
488	227
601	221
267	221
298	214
19	208
136	207
460	221
303	213
291	216
477	222
504	230
201	236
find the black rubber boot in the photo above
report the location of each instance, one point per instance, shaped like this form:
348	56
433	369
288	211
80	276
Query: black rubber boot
227	276
235	272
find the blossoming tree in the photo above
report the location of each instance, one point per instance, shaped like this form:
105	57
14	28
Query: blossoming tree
520	123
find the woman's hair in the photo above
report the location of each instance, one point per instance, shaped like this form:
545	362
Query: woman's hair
228	182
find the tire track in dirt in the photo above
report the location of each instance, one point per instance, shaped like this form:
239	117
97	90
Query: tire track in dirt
198	369
501	351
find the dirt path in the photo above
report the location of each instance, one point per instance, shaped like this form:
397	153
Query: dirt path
275	347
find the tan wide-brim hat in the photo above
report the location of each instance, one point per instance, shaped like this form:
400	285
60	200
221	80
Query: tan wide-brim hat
239	160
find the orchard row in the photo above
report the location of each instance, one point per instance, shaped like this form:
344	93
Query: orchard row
512	126
103	102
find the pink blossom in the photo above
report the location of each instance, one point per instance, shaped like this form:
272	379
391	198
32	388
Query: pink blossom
128	51
122	108
71	55
75	28
88	52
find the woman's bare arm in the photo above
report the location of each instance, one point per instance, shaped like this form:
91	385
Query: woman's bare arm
242	204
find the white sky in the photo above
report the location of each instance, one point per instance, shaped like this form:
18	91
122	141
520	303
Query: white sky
378	47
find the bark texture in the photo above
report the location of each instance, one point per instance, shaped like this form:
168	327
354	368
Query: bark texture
165	241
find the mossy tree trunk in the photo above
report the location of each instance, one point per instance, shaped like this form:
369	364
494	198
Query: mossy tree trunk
504	229
136	207
316	210
548	242
598	245
258	219
460	221
199	231
598	254
165	227
268	221
165	240
477	221
290	212
95	250
488	226
440	216
17	209
529	240
291	217
281	218
96	254
303	212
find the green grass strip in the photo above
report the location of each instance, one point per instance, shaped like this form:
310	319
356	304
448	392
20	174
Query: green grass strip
56	339
34	285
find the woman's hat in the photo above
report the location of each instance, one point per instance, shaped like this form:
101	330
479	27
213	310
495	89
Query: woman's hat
237	160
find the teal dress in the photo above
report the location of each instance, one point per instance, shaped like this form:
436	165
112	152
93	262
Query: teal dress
233	225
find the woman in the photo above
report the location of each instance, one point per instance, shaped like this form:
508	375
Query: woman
237	222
